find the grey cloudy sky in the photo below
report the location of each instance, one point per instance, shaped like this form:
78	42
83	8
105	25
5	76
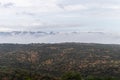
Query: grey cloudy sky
94	15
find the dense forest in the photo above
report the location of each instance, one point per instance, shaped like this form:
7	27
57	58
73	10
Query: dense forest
63	61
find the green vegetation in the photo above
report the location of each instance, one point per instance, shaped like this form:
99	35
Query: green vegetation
71	76
52	61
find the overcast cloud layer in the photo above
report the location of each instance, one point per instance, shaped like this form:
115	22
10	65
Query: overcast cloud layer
88	15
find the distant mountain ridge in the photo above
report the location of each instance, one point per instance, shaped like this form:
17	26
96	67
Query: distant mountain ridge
20	33
58	37
39	32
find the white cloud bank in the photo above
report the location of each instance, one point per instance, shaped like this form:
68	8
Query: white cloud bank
29	14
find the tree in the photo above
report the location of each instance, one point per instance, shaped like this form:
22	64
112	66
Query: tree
72	76
47	77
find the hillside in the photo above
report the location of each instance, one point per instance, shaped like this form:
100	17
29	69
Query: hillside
55	59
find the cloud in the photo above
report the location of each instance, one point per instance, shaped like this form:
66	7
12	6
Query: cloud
75	7
24	13
3	28
7	5
111	6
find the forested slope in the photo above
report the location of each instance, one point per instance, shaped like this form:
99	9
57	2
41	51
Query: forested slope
55	59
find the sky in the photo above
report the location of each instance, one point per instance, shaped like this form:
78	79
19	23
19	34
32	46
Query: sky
82	15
